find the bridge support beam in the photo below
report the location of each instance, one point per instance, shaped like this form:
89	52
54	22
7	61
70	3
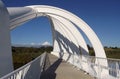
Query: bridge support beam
5	46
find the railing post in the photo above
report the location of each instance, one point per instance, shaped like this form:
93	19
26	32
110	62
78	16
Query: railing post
117	71
99	69
73	60
89	63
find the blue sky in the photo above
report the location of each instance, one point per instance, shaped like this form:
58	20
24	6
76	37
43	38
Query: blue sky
103	16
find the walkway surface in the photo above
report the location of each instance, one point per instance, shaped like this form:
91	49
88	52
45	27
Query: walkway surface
59	69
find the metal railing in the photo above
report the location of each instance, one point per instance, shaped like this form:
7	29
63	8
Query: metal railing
92	66
32	70
89	64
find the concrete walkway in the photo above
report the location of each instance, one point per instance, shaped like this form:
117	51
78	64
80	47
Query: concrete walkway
59	69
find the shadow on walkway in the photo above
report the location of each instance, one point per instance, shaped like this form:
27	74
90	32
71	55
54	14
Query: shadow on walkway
50	72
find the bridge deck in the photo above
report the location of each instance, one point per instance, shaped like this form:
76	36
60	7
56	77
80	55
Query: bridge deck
59	69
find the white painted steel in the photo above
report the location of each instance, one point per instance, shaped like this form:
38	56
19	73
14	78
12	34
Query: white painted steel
20	15
80	43
76	20
113	67
5	43
74	32
66	41
31	70
98	48
43	10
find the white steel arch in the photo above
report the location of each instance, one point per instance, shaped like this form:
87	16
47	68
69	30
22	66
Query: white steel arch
5	43
65	34
76	38
98	48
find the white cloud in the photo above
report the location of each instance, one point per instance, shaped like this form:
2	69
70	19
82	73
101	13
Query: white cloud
46	43
32	44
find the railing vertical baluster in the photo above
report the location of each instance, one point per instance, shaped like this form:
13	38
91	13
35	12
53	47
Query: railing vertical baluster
89	63
117	70
99	68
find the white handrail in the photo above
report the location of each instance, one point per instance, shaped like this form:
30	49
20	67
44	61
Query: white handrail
31	70
96	69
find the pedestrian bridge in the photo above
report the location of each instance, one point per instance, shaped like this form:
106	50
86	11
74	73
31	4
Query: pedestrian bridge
48	66
68	45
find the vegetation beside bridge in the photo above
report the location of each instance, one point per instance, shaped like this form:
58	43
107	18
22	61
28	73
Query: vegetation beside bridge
23	55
